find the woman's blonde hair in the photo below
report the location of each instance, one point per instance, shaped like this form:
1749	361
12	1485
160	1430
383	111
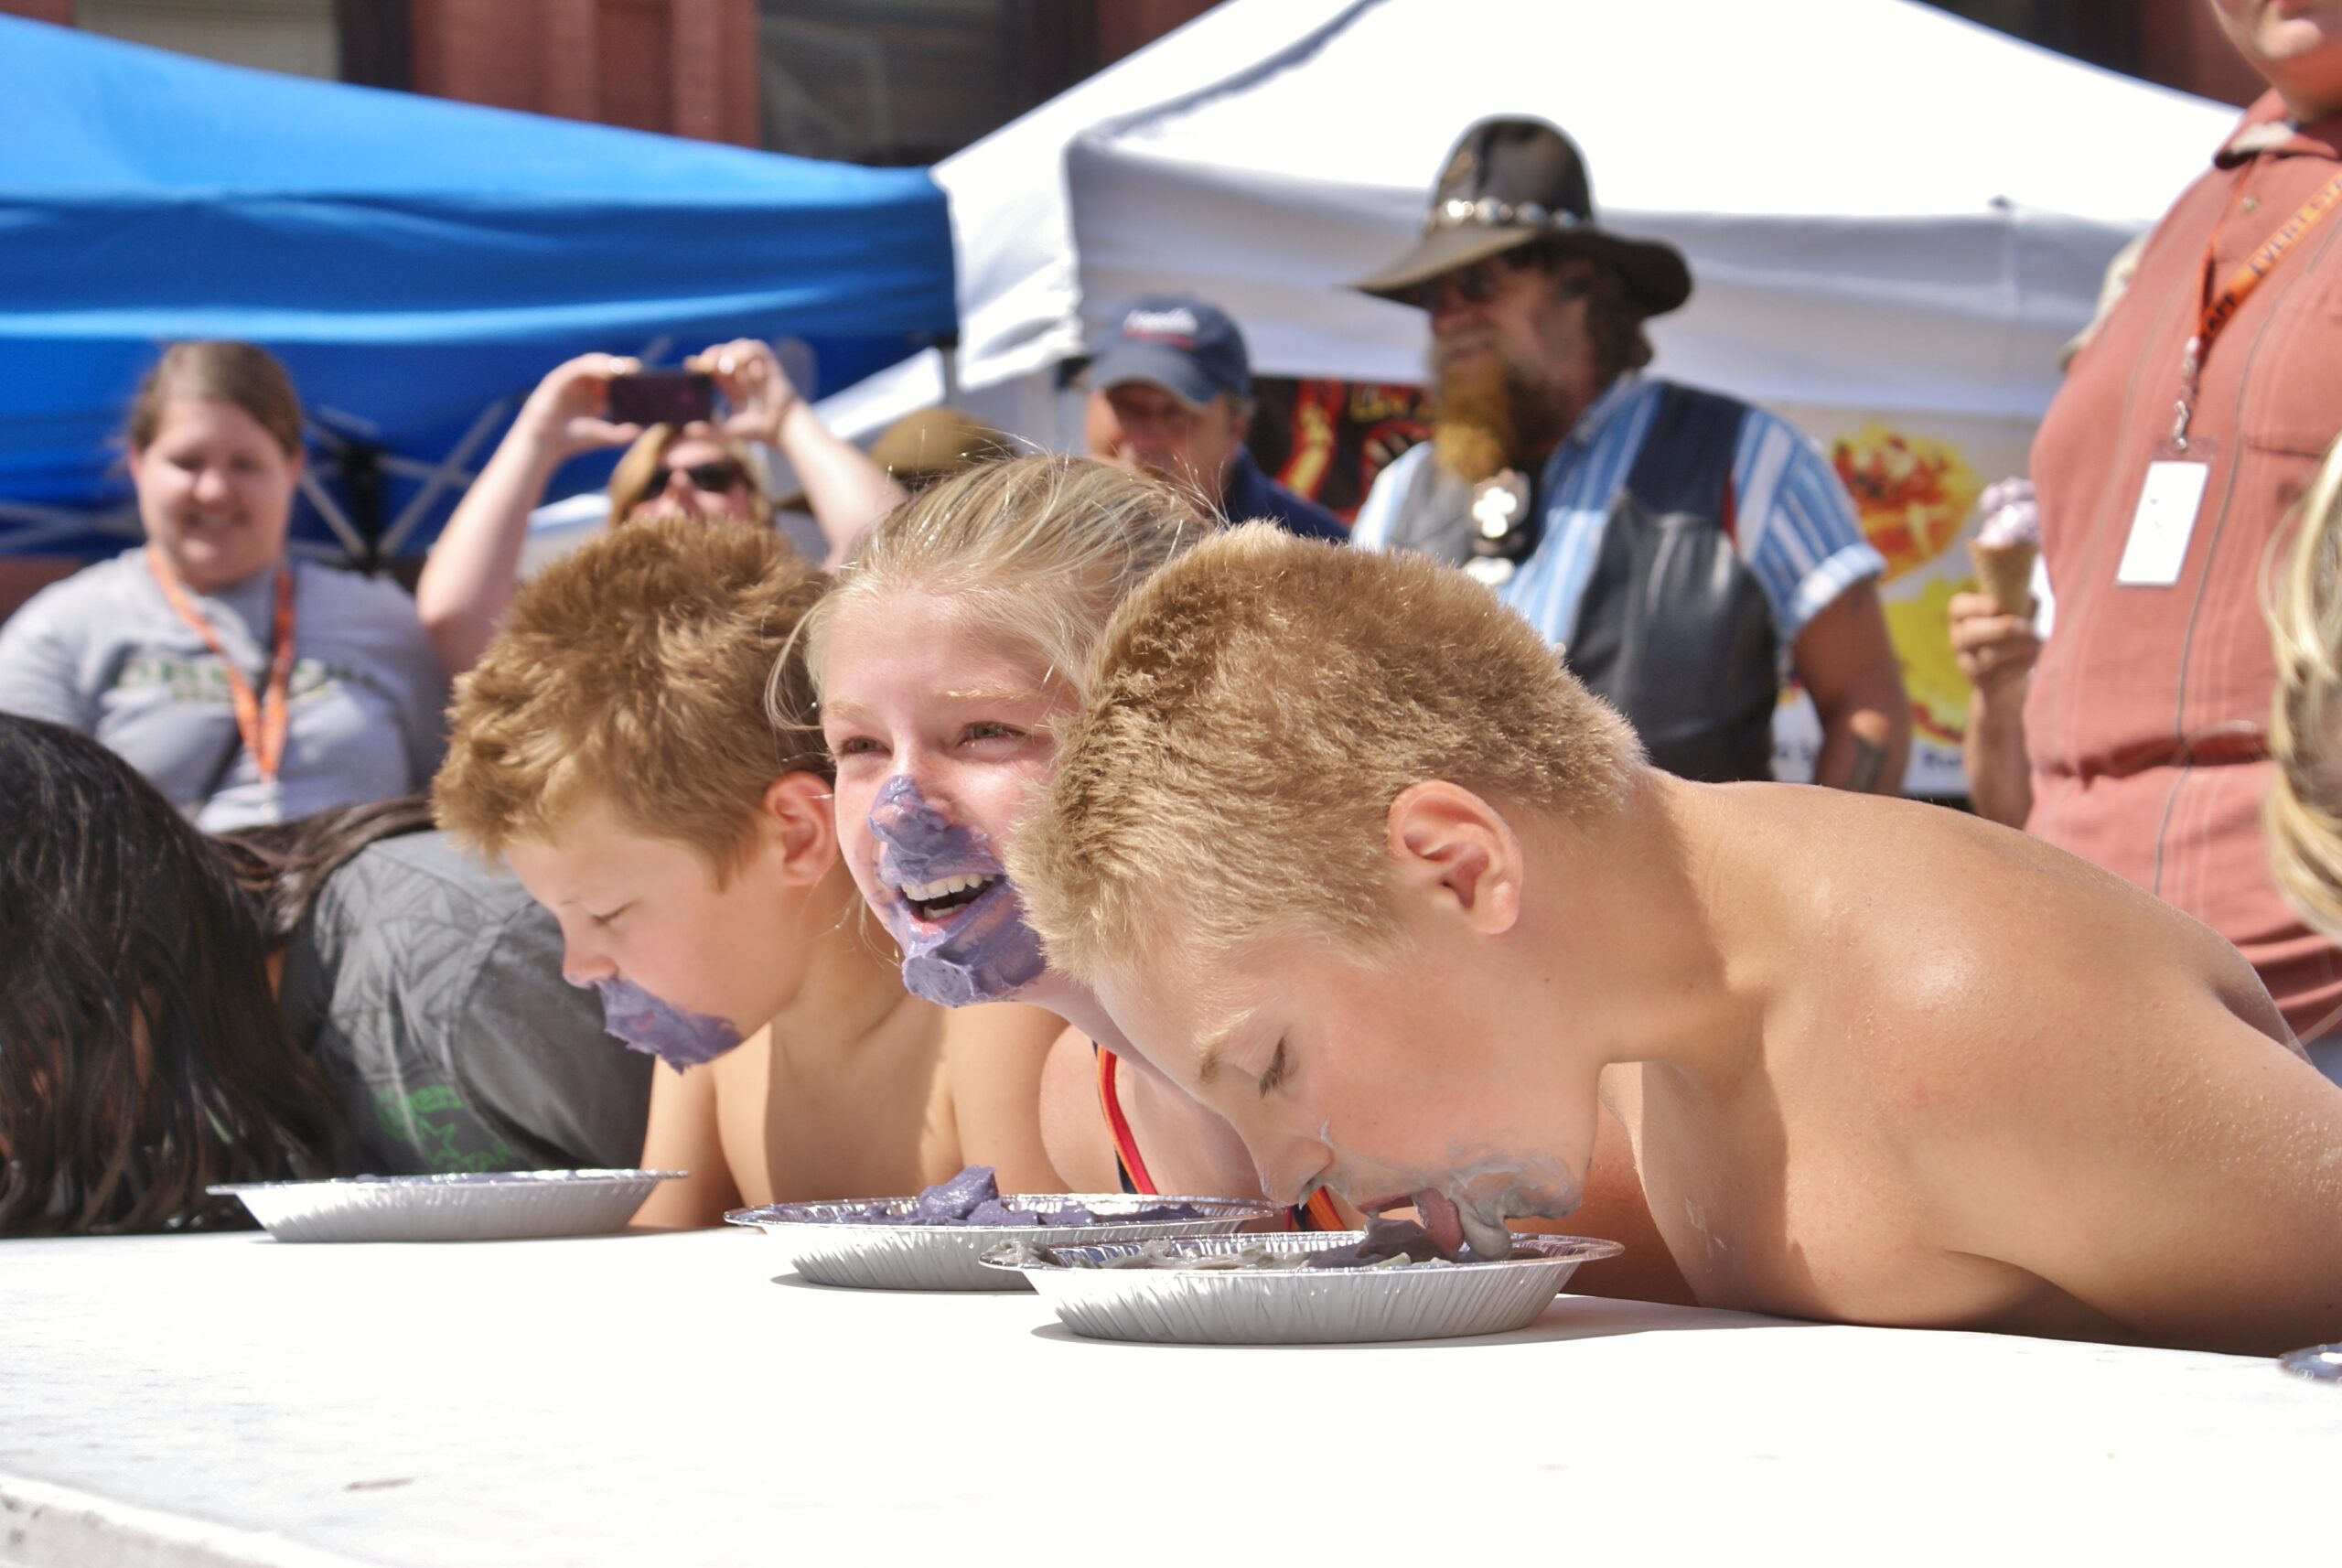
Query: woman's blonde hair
1037	551
244	374
630	481
2304	807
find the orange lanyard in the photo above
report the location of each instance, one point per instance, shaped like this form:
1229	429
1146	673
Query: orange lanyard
263	721
2220	305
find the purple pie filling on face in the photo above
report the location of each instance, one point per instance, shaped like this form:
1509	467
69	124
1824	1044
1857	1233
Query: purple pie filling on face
971	946
643	1023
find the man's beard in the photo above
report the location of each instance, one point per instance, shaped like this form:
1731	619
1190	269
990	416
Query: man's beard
1490	415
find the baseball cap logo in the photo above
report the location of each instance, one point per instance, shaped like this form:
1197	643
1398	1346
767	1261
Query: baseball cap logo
1180	324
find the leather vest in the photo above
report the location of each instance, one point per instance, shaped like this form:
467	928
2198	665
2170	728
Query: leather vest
1674	630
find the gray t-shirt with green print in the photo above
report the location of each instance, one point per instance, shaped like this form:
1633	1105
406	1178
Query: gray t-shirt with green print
102	652
428	990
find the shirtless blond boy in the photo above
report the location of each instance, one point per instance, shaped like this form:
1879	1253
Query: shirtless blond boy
612	745
1345	851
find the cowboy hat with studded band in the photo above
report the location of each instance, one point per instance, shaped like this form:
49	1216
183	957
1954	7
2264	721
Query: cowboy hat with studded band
1511	181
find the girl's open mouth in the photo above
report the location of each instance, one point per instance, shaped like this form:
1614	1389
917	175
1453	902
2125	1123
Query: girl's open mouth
934	903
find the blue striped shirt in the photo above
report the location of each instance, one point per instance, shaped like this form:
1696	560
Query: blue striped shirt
1795	525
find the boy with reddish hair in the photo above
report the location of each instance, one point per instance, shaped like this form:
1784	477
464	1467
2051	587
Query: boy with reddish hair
614	745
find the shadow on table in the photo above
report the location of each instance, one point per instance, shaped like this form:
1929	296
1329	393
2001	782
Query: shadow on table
1570	1317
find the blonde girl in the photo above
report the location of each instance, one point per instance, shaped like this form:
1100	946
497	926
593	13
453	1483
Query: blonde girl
943	655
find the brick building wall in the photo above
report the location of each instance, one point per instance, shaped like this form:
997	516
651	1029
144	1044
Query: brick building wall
690	67
684	67
2181	45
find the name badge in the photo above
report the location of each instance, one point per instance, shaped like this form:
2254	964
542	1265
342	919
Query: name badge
2164	523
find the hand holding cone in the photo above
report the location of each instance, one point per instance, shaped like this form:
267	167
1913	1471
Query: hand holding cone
2005	573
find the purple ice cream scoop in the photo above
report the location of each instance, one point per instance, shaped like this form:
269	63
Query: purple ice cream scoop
956	1199
641	1021
977	951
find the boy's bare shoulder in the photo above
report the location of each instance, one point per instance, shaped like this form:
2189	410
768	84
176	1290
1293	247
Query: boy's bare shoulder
2046	1070
1981	959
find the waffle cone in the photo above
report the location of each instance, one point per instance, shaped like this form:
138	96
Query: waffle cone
2006	571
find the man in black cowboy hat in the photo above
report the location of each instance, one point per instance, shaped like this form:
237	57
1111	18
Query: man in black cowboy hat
1676	544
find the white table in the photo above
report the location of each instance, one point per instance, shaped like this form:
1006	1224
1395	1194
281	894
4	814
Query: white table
665	1399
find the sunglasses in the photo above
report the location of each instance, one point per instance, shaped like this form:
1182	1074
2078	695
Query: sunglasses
714	478
1475	284
1483	281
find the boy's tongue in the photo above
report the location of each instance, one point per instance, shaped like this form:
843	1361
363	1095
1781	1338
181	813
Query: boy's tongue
1439	1217
1453	1231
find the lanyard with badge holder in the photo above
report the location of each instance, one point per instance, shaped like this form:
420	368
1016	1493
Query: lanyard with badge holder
262	722
2173	492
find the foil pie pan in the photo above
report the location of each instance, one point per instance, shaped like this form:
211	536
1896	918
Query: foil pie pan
1305	1306
2321	1363
825	1245
481	1205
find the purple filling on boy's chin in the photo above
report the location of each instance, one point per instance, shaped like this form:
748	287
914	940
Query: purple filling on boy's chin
985	951
641	1021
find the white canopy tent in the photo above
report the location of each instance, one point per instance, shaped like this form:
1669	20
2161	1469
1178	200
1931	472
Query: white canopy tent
1894	219
1885	207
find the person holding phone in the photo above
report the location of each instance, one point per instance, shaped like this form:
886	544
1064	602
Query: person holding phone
702	466
248	686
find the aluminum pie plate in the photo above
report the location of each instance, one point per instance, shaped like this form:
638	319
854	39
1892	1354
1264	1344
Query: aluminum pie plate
2321	1363
481	1205
1306	1307
830	1248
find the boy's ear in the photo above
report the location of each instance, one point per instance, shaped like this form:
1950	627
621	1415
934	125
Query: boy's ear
1453	847
799	824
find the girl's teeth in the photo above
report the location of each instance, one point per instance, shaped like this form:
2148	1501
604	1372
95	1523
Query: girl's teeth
920	892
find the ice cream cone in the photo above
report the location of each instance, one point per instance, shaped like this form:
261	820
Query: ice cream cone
2006	573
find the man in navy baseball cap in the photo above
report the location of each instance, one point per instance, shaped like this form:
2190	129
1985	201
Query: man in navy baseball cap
1170	396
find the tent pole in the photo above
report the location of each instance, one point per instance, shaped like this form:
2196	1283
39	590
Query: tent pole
947	351
352	542
445	475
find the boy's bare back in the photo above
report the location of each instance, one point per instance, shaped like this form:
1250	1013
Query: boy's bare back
1982	1084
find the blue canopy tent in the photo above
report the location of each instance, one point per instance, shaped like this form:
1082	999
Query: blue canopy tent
417	263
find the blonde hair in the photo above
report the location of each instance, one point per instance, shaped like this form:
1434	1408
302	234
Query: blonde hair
2303	811
244	374
629	484
1255	710
632	671
1036	551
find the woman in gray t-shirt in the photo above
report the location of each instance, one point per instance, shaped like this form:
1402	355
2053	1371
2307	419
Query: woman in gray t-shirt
249	686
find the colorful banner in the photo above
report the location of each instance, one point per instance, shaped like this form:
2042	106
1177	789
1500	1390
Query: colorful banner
1326	440
1915	479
